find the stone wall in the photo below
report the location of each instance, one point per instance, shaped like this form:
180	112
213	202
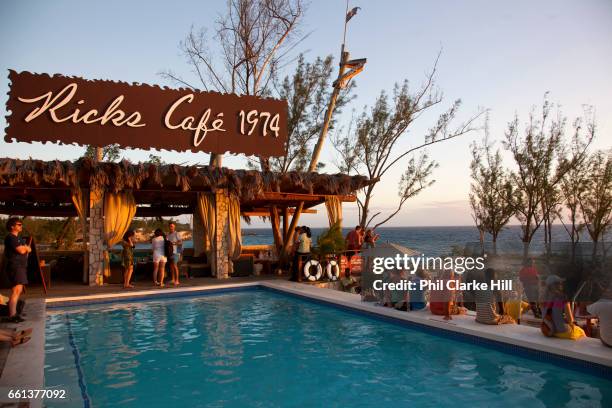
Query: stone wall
96	237
222	265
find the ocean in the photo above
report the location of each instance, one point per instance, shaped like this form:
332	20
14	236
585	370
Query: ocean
435	241
438	241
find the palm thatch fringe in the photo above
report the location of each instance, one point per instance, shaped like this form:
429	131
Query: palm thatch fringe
115	177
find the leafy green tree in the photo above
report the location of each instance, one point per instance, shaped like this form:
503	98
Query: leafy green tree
307	92
331	241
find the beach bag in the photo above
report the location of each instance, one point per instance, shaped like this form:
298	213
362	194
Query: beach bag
168	248
547	326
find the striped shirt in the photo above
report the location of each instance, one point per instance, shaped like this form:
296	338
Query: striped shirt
486	306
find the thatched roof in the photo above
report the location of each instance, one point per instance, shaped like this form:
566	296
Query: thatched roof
248	184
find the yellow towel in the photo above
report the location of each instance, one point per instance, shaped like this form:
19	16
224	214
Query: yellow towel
512	308
574	333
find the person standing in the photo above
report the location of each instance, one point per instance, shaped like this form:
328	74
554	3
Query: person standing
159	257
127	257
531	285
370	239
354	240
16	253
303	249
175	238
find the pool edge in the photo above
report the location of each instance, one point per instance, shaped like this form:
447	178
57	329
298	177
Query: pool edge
538	348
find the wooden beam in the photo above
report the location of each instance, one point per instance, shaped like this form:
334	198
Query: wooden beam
261	212
39	211
162	211
302	197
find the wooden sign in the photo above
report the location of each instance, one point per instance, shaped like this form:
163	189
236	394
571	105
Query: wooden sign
67	110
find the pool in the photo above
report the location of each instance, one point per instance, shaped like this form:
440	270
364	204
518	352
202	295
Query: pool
262	348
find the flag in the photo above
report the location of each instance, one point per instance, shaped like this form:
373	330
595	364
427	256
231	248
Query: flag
351	13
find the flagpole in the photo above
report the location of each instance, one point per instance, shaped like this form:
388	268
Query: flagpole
345	24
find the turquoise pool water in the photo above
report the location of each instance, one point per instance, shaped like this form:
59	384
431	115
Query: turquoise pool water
260	348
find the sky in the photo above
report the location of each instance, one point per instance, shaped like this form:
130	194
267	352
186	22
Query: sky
500	56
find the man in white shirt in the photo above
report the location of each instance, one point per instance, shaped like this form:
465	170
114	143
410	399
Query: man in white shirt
174	237
603	310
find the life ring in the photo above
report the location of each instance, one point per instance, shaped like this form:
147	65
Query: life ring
333	270
308	275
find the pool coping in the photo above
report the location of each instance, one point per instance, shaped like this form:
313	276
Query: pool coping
24	368
26	363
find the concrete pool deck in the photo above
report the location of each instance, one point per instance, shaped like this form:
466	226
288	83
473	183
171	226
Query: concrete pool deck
24	367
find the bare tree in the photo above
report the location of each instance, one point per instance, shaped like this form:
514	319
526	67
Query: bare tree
596	199
572	187
490	190
540	167
253	39
371	147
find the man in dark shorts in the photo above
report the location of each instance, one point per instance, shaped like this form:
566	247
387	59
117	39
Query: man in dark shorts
16	254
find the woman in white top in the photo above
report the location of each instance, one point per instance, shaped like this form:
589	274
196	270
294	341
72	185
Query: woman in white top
159	257
303	249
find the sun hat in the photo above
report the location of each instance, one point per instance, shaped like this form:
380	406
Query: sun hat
553	279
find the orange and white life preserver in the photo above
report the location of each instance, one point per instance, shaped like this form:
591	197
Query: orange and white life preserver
307	270
332	270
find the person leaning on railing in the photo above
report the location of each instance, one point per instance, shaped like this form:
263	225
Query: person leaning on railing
354	240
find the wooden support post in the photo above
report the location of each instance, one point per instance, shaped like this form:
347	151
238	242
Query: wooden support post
275	221
285	222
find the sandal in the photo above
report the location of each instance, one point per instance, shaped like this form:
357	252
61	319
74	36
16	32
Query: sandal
22	340
24	333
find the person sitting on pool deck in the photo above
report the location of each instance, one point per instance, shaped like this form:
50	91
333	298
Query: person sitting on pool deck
515	306
399	298
489	305
445	302
558	320
417	296
15	337
603	310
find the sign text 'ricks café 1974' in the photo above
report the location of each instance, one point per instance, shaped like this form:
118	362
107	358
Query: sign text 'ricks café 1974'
45	108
